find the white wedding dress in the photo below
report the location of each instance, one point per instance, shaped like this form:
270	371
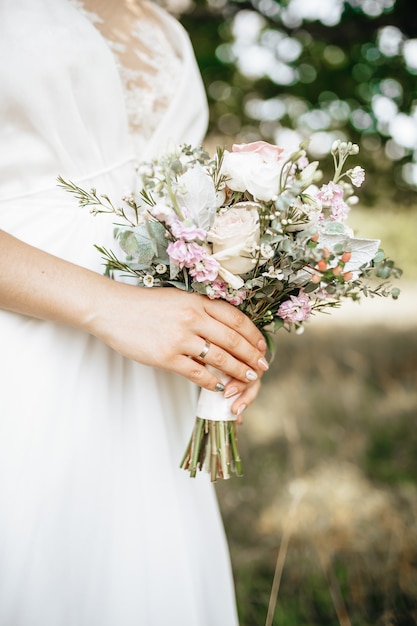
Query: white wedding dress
98	525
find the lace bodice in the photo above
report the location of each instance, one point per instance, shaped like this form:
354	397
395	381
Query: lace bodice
148	62
89	86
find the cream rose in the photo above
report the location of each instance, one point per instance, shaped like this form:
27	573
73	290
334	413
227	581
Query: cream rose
255	168
233	236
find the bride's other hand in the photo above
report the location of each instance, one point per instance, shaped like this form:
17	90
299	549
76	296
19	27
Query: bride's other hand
165	327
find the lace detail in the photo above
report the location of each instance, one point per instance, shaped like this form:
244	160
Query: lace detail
148	64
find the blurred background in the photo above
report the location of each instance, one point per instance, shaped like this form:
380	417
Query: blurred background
328	501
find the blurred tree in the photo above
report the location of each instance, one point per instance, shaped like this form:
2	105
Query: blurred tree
287	70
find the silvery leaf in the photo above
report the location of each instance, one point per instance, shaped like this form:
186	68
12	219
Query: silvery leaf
145	254
198	196
363	250
128	242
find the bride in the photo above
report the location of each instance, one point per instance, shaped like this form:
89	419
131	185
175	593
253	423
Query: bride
98	525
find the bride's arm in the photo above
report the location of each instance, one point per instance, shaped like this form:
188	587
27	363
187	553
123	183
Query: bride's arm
158	327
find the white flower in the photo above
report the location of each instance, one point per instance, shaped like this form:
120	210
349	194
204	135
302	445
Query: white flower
274	273
161	268
267	251
161	211
356	175
148	280
308	174
251	171
233	236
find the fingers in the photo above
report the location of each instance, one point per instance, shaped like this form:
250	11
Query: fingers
233	318
198	374
246	397
231	343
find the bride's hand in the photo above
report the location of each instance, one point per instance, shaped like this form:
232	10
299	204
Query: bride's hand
159	327
165	327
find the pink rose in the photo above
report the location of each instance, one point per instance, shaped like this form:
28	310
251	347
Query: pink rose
253	167
266	150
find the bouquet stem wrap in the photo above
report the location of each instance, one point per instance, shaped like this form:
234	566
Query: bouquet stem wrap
213	443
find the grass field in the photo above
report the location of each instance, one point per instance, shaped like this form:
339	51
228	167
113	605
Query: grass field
330	453
330	462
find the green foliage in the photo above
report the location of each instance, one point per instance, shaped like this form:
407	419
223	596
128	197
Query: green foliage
352	79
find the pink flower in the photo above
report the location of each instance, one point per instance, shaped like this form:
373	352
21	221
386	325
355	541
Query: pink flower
205	269
217	289
254	168
187	230
185	254
340	212
296	309
331	195
266	150
236	297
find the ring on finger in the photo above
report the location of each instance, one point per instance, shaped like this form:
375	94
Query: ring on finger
204	351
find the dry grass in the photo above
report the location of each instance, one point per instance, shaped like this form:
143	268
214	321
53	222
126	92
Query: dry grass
330	453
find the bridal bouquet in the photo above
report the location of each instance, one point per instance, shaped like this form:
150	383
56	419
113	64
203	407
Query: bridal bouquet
255	226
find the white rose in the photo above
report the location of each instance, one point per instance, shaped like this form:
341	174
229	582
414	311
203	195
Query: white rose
234	235
250	171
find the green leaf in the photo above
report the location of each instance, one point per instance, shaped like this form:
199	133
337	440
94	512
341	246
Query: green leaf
278	323
335	228
309	287
128	242
380	256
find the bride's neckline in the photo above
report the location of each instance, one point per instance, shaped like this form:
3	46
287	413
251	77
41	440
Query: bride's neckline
148	62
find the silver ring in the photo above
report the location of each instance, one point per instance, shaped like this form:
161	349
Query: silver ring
204	351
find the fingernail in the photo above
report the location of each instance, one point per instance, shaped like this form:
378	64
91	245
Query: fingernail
231	392
262	345
251	375
219	387
240	410
263	364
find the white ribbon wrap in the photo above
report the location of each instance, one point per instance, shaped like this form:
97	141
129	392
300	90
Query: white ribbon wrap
212	405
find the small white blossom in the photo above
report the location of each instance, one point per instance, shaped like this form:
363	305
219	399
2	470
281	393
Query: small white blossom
352	200
267	251
274	273
161	268
356	175
148	280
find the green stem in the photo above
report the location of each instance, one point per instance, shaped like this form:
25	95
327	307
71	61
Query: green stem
213	451
221	429
195	446
235	452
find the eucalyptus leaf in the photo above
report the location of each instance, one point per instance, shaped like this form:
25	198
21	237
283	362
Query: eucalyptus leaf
145	254
335	228
128	242
379	257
